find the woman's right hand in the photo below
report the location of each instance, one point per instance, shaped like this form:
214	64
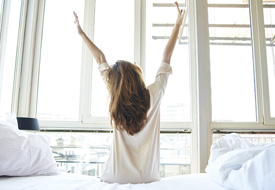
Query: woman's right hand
79	29
181	14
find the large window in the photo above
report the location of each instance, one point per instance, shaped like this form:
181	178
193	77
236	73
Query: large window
60	67
231	60
85	153
160	19
9	33
269	21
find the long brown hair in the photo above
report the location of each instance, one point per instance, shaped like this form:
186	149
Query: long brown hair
129	98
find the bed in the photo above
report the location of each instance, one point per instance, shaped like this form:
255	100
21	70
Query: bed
81	182
26	162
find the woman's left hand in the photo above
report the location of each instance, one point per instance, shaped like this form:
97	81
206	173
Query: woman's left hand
79	29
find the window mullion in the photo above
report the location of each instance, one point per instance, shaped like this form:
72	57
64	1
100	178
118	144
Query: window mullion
1	15
193	87
87	64
36	58
203	132
255	17
263	64
3	38
140	34
27	66
19	56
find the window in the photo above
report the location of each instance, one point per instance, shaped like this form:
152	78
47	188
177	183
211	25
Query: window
115	37
231	61
269	20
86	153
176	104
9	33
61	95
60	67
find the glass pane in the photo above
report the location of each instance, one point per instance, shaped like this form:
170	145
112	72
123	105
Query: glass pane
252	138
59	82
8	59
175	154
85	153
231	61
1	13
269	21
176	104
116	40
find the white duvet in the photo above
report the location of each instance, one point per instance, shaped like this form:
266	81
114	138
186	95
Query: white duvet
237	164
82	182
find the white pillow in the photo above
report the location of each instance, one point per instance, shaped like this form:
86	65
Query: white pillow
24	154
10	118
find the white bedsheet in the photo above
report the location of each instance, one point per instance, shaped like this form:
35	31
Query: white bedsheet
81	182
236	164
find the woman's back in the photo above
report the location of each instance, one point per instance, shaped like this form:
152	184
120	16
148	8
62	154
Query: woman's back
135	158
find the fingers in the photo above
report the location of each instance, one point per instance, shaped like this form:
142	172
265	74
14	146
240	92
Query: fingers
76	18
180	11
75	15
177	6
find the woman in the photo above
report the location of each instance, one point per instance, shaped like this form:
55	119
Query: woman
134	113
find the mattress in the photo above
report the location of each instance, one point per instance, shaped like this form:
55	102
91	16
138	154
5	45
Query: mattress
74	181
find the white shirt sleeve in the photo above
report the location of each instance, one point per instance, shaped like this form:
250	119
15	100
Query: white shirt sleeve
163	73
103	68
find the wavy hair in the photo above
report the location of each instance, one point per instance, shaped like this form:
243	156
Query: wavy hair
129	97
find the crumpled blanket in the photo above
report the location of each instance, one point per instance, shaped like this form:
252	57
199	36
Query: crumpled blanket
237	164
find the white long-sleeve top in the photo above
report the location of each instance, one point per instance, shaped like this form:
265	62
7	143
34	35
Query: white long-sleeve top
135	159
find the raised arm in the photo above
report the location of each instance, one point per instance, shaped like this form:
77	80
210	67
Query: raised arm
96	52
168	51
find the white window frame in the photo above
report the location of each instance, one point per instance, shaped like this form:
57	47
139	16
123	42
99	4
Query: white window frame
264	122
103	123
19	51
202	133
267	120
3	37
1	15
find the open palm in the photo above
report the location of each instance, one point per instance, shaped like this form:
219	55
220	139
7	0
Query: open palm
79	29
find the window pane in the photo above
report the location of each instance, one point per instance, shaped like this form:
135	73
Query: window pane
115	38
59	82
231	61
176	104
86	153
1	13
175	154
7	76
269	21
